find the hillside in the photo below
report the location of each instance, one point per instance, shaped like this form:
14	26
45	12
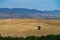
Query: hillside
28	13
28	27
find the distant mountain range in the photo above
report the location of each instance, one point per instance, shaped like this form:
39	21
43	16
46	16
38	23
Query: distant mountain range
28	13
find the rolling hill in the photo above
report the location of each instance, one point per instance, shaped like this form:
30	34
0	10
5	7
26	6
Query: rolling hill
28	13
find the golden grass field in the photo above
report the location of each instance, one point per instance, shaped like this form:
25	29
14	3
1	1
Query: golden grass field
28	27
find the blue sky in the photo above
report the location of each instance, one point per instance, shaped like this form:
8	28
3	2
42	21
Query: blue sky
31	4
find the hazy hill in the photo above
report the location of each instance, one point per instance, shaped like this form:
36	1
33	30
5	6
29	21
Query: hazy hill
28	13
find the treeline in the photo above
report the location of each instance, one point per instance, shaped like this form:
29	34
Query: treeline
48	37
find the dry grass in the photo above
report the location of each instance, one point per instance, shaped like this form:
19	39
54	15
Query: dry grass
28	27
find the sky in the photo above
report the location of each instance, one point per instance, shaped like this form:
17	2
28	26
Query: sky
31	4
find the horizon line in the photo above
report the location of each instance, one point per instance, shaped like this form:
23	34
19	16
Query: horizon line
35	9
